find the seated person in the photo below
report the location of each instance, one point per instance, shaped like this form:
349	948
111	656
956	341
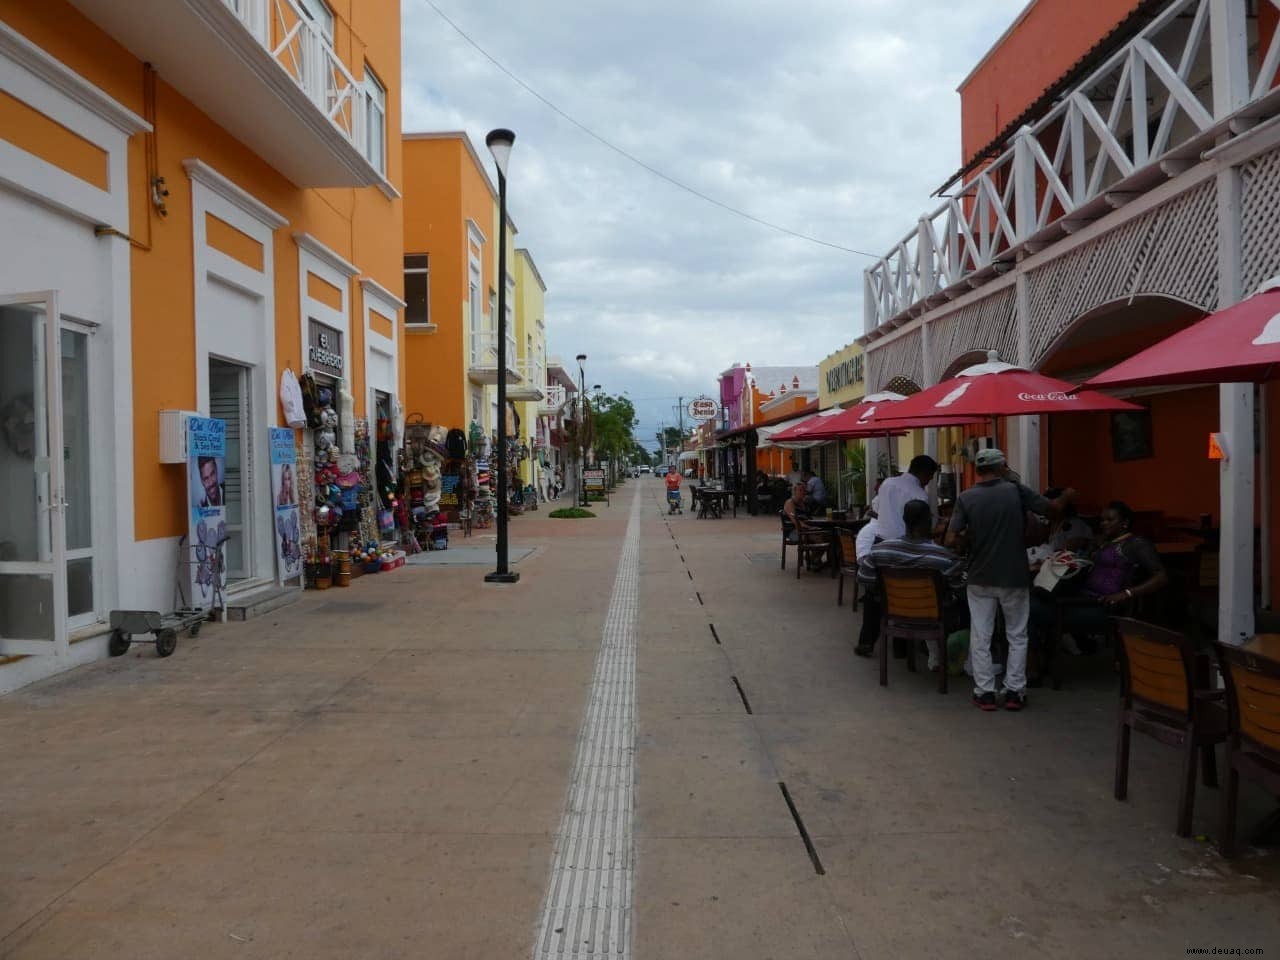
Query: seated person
815	490
797	506
1066	532
1125	567
916	549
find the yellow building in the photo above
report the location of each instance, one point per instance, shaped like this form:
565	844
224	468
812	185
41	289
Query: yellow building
531	364
195	196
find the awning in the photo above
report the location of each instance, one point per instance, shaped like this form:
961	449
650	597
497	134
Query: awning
765	435
687	455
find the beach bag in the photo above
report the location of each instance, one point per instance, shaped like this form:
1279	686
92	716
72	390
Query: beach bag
295	414
1058	569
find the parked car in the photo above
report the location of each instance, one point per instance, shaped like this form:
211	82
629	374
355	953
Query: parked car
644	468
660	471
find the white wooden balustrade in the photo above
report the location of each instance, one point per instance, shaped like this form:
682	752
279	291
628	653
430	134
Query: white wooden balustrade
1144	115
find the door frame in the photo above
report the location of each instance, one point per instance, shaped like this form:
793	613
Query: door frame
55	567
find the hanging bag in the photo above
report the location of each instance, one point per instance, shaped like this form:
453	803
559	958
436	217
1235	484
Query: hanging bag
295	413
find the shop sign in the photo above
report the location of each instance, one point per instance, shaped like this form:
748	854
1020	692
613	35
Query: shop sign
324	348
284	494
207	511
702	408
846	373
593	480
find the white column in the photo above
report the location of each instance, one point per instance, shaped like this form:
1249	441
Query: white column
1024	432
1235	421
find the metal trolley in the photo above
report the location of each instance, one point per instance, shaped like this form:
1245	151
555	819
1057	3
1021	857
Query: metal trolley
164	628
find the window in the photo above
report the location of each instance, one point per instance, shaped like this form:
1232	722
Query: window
493	309
375	121
318	12
417	289
477	408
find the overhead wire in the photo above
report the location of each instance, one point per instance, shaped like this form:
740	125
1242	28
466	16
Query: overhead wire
679	184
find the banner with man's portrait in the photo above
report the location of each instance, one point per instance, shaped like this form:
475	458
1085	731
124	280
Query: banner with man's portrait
207	513
284	494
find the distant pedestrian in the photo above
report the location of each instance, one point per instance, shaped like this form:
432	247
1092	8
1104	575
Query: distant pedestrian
990	519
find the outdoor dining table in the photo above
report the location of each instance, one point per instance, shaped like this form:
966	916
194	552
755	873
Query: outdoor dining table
1265	645
712	503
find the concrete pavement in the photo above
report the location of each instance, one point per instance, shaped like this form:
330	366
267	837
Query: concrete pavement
381	772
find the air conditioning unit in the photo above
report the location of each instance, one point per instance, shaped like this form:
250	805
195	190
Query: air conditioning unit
173	435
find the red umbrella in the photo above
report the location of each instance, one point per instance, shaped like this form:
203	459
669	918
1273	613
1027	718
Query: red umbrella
1240	344
995	389
863	419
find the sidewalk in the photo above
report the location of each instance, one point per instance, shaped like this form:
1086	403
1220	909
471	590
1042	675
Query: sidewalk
380	771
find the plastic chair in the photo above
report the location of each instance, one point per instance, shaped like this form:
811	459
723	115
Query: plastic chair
913	611
1165	693
1253	739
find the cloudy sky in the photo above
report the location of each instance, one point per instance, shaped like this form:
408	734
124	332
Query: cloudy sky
834	118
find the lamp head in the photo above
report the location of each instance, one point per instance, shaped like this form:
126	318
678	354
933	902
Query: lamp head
499	143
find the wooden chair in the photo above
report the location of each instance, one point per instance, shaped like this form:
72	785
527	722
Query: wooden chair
1165	693
814	544
847	564
913	601
1253	740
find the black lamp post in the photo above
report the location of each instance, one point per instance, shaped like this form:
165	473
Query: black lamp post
582	428
499	143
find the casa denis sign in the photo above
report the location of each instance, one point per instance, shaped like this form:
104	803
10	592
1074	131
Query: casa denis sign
702	408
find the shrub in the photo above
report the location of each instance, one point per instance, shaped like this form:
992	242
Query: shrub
571	513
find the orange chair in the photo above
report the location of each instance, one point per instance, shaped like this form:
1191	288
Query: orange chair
1253	741
913	611
1165	693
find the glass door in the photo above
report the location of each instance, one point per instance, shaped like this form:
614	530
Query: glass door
33	596
82	606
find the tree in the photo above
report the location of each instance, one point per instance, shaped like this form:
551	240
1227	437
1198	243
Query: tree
612	422
668	439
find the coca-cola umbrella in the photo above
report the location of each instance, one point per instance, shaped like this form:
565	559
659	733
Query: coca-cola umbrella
997	389
1240	344
872	419
828	424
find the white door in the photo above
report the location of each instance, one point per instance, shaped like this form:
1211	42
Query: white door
33	587
229	401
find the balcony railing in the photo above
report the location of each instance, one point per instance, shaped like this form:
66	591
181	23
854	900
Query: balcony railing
484	355
1143	116
553	397
300	47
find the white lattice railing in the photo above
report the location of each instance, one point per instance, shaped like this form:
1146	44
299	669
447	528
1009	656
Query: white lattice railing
303	51
553	397
484	350
1178	81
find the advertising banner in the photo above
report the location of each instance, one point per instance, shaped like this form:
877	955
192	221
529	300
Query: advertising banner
284	494
593	480
207	513
449	491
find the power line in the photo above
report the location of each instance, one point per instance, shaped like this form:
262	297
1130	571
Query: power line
632	157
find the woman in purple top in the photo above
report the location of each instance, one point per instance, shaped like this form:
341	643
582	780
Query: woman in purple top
1125	567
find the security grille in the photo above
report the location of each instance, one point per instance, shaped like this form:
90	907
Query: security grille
1260	220
898	358
1169	251
986	324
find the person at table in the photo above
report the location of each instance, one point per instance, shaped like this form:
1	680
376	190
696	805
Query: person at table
1125	568
797	505
897	492
815	491
1067	532
989	521
915	549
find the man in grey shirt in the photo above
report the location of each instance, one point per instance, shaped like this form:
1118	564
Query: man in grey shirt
989	519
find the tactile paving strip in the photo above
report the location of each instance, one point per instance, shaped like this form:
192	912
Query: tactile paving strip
587	909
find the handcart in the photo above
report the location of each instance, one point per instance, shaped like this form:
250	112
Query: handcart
164	627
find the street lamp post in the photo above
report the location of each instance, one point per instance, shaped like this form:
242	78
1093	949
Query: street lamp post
499	143
582	428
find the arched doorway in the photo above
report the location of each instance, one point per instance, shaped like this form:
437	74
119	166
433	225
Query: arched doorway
1154	461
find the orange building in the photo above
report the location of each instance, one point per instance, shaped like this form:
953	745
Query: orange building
203	194
450	230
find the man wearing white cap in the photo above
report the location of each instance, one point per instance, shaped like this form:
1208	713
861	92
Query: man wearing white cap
989	520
